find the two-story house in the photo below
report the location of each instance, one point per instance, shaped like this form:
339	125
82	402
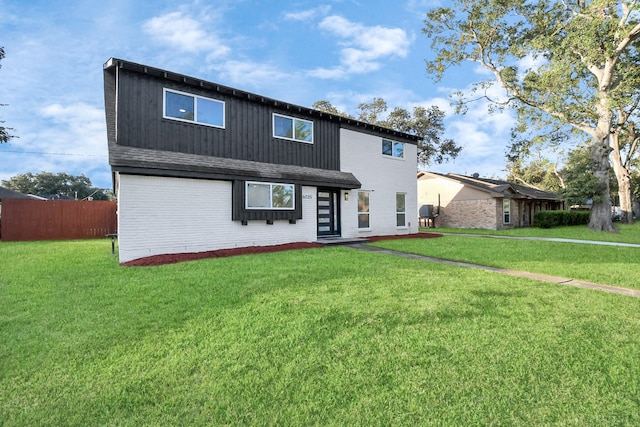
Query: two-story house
199	166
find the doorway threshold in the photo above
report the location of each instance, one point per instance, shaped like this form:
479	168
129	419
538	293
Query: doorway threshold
338	240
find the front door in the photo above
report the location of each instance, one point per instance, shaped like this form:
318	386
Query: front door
328	215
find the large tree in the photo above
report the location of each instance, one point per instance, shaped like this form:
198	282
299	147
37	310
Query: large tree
624	139
427	123
581	186
5	136
539	173
47	184
558	61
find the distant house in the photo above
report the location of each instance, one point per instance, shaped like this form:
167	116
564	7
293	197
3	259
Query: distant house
472	202
199	166
6	193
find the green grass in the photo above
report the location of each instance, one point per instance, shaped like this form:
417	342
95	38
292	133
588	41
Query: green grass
329	336
627	233
611	265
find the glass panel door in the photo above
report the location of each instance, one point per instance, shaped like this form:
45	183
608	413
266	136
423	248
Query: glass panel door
328	218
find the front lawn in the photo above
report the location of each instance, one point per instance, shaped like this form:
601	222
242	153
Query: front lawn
610	265
331	336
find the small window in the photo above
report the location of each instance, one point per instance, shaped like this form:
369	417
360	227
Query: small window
392	149
401	210
293	129
363	210
506	211
192	108
261	195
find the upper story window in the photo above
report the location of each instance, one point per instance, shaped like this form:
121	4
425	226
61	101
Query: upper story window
292	128
265	195
192	108
393	149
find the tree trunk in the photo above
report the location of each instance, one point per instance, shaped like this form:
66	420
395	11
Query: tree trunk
626	203
600	218
624	182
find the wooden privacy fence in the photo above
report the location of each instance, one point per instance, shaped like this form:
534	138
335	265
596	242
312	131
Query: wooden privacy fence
23	220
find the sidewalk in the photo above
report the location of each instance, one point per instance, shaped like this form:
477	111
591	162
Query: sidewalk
534	276
548	239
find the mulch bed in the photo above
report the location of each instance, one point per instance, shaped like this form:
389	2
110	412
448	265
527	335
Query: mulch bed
191	256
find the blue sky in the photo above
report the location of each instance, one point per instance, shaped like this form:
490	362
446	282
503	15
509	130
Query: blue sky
344	51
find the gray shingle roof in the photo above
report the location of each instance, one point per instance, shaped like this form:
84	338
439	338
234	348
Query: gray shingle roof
5	193
500	187
169	163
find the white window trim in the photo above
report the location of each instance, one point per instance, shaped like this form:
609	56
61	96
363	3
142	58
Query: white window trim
387	156
364	213
504	211
270	184
273	128
401	212
195	108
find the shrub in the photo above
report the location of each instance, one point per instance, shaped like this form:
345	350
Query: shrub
548	219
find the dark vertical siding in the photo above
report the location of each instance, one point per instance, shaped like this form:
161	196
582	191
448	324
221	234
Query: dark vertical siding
110	103
247	136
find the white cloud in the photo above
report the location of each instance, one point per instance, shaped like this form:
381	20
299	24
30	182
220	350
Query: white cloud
67	138
422	6
77	134
306	15
328	73
248	73
530	63
442	103
185	33
363	47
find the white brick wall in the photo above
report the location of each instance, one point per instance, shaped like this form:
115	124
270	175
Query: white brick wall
361	154
158	215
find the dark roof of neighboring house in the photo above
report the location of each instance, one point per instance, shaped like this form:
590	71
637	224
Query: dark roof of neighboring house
169	163
345	121
5	193
499	187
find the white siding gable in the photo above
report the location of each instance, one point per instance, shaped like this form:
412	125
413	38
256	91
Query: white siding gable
383	176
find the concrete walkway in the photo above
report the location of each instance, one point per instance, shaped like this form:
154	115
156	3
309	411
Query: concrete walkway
534	276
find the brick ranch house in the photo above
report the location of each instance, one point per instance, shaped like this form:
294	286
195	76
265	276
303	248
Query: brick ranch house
473	202
198	166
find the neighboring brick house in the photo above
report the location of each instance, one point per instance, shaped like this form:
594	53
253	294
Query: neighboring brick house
198	166
473	202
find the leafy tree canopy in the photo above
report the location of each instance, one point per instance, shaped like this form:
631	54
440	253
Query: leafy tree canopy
581	186
47	184
559	62
427	123
539	173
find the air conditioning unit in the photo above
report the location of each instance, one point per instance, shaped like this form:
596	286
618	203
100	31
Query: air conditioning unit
426	211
